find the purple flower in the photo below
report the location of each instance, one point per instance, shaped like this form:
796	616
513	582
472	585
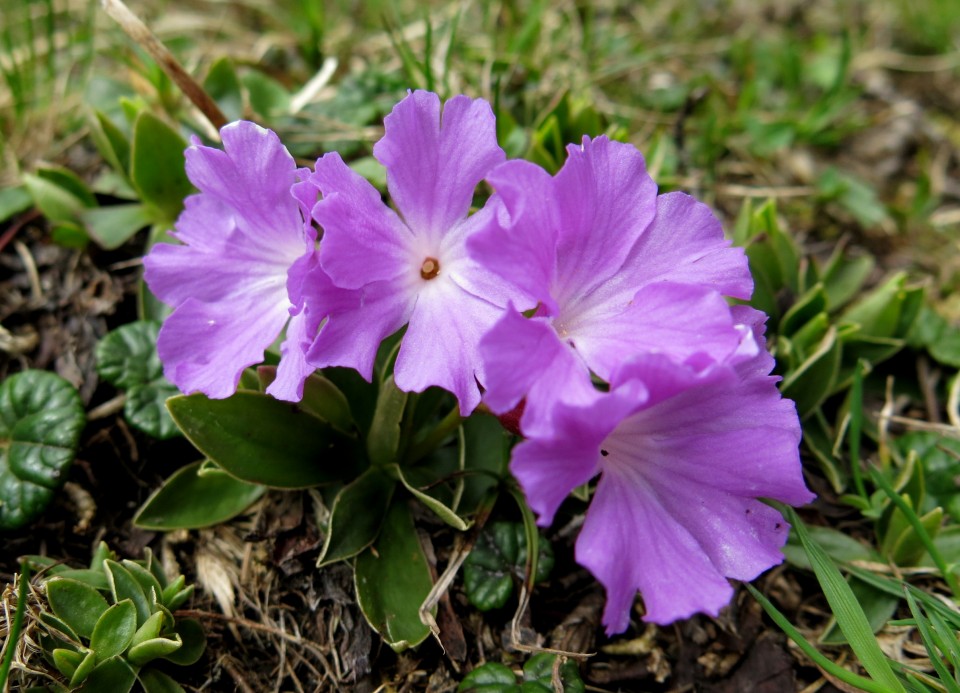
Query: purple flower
381	270
244	241
616	270
683	455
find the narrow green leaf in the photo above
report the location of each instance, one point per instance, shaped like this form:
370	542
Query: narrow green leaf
849	615
150	629
78	604
113	226
357	515
261	440
87	665
441	510
196	497
825	663
114	631
393	581
110	141
125	586
813	381
384	437
157	165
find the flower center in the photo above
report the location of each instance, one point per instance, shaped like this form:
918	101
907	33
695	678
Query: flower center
430	268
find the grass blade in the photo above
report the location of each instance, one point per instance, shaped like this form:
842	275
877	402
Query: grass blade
932	642
850	617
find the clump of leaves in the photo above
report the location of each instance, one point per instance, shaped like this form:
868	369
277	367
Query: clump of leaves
538	677
41	417
110	626
498	561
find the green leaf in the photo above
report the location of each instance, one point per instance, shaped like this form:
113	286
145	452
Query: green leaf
485	449
157	165
114	630
78	604
155	681
321	398
538	675
113	226
13	201
68	661
87	665
806	307
499	559
259	439
113	675
358	513
54	202
394	580
126	587
146	409
147	581
384	438
152	649
41	418
194	643
58	626
222	85
267	96
849	615
491	677
878	606
150	629
196	496
813	381
838	545
110	141
419	488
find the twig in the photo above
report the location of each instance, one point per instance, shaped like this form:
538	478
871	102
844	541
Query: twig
139	32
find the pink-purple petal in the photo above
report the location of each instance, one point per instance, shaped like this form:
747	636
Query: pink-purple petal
435	160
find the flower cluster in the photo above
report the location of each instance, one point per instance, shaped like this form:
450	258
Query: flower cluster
597	305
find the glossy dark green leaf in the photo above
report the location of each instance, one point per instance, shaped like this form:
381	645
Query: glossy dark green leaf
124	586
491	677
155	681
113	675
146	409
114	630
261	440
41	418
196	496
113	226
194	642
79	605
394	580
538	675
498	560
358	513
157	165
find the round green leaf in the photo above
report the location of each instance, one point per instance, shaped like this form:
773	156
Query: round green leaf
114	630
497	561
393	581
538	675
259	439
196	496
194	643
41	418
78	604
127	356
492	677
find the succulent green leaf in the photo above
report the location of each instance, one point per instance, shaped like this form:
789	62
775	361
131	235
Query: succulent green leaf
114	631
110	141
223	86
41	418
155	681
113	675
358	513
393	581
147	580
197	496
150	629
538	675
491	677
152	649
78	604
194	643
157	165
172	589
113	226
384	438
95	578
125	586
68	661
84	668
261	440
56	625
321	398
497	561
179	599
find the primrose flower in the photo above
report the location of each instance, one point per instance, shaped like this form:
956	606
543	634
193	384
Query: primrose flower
615	270
683	455
244	240
411	268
